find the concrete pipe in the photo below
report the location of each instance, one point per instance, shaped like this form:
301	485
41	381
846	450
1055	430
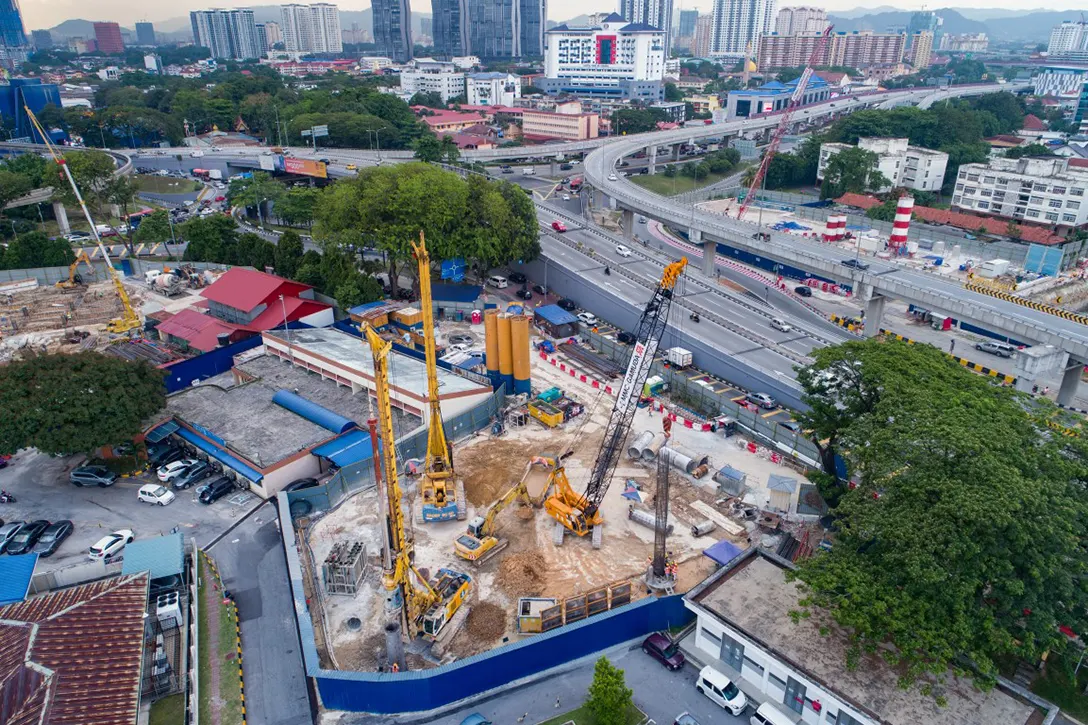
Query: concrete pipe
676	459
702	528
649	453
645	518
643	439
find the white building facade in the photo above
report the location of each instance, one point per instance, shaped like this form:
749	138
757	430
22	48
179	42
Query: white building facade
492	89
739	24
1040	190
1060	81
1068	37
615	59
791	21
311	28
226	33
432	76
655	13
903	165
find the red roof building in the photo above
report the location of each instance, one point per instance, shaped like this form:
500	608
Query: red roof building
244	297
199	331
449	122
74	656
1034	123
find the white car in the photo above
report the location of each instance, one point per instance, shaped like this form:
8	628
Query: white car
566	197
110	546
611	177
623	251
155	494
780	324
172	470
588	318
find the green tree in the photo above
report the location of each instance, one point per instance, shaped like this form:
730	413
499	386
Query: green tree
34	249
255	192
609	697
434	150
91	171
12	186
1032	149
962	539
672	93
1013	230
296	207
288	254
884	212
211	239
852	170
670	171
32	166
66	404
430	99
789	74
636	120
155	227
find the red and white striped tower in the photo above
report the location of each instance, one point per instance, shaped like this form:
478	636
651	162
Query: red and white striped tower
901	225
840	227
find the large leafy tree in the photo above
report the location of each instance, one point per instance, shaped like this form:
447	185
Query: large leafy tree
155	227
609	697
65	404
296	207
91	170
34	249
289	252
852	170
960	542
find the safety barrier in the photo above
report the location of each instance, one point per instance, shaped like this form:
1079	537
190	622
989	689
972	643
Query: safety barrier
237	631
996	374
1039	306
847	323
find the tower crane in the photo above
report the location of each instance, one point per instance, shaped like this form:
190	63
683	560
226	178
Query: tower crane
580	513
442	494
784	122
129	320
430	603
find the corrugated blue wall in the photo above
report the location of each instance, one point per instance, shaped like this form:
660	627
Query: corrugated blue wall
181	375
429	689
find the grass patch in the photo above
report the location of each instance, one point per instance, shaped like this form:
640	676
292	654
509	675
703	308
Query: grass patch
167	185
168	711
1058	686
582	716
663	185
229	704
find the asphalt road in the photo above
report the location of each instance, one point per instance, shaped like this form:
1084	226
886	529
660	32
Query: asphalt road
251	562
661	694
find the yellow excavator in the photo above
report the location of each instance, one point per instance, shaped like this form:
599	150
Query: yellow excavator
128	320
443	497
430	603
74	279
579	513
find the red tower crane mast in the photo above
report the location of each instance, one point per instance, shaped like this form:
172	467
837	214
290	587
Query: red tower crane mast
783	124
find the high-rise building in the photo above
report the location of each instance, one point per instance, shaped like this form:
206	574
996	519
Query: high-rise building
311	28
685	28
858	49
1069	37
655	14
704	31
791	21
615	59
921	50
965	42
41	39
262	38
534	21
145	33
273	32
108	38
450	26
393	28
495	28
739	24
1081	116
14	47
226	33
426	27
923	21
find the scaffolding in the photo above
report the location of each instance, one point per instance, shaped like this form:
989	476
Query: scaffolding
344	568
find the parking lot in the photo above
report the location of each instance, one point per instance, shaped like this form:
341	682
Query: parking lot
42	491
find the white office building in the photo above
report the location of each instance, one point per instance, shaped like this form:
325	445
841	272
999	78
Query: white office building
492	89
1069	37
792	21
912	167
425	75
1060	81
615	59
655	13
1040	190
739	24
311	28
227	33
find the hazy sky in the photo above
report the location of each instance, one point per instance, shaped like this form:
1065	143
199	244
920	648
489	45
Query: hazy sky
47	13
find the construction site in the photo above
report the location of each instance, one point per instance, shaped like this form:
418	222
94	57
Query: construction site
563	518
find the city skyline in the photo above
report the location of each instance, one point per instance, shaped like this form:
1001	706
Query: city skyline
50	13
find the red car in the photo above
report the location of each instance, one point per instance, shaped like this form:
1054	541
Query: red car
664	650
220	198
559	226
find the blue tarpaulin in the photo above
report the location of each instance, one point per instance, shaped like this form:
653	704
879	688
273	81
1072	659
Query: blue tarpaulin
15	574
723	552
221	455
555	315
349	448
160	432
312	412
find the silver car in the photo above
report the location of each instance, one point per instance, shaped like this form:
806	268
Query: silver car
762	400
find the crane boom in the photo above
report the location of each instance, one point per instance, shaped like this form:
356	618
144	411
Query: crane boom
784	122
129	319
441	500
580	513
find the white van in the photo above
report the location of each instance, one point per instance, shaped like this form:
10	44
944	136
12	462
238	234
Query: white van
781	325
768	714
721	690
498	282
528	171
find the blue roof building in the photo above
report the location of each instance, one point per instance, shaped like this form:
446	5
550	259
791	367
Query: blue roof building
773	97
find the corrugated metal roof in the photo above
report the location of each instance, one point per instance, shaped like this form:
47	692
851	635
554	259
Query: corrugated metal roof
222	456
349	448
87	652
162	556
15	574
555	315
198	329
161	431
244	289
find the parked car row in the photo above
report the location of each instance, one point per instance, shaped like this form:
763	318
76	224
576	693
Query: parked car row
39	537
182	473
